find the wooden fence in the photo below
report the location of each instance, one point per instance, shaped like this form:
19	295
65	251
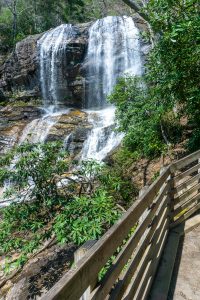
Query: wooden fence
171	199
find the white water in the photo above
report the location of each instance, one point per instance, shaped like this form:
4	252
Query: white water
113	50
37	130
53	62
102	138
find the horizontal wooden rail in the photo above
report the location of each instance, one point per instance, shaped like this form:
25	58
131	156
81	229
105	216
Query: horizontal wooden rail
185	161
166	203
188	172
183	186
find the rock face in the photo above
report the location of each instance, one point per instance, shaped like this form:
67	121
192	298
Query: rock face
13	119
72	128
20	72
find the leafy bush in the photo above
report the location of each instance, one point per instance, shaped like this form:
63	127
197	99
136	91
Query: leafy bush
173	64
86	218
139	117
72	211
33	171
194	141
118	184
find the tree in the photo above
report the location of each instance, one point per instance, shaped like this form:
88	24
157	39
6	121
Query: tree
12	5
19	18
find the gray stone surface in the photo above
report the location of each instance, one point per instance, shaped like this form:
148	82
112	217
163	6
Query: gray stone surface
185	284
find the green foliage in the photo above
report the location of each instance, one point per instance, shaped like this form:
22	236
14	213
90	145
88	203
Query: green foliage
194	142
118	184
19	18
86	218
5	28
173	67
43	206
35	169
139	116
31	169
145	107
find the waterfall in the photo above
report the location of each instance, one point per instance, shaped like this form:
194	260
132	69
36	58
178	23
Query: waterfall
53	62
113	50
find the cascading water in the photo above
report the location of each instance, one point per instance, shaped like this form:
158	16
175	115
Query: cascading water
52	49
37	130
113	50
102	138
53	63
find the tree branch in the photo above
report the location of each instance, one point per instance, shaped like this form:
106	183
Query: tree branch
137	8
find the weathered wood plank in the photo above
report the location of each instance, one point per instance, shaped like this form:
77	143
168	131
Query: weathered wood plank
186	205
126	277
80	253
186	173
139	279
185	184
186	194
99	254
143	294
186	215
185	161
112	275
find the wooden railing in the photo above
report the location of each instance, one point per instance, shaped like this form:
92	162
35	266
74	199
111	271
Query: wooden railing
171	199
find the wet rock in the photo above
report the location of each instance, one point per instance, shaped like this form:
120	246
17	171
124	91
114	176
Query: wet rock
13	119
12	113
20	72
72	127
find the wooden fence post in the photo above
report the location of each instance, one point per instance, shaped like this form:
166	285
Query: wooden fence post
78	255
171	195
141	193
